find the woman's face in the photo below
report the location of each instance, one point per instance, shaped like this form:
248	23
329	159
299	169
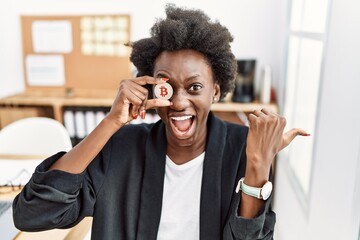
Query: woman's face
194	89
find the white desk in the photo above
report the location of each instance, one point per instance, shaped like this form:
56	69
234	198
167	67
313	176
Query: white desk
76	233
17	169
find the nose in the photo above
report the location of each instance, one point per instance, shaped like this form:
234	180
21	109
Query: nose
180	101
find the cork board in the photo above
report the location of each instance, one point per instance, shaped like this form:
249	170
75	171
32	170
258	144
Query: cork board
98	58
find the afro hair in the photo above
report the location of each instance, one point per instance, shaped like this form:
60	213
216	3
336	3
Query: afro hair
188	29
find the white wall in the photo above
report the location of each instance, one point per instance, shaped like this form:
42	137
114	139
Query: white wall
333	210
11	71
257	26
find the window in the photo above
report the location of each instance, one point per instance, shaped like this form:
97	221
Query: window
306	38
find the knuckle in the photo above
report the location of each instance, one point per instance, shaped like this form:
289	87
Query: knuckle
137	102
260	120
256	111
122	83
147	78
273	118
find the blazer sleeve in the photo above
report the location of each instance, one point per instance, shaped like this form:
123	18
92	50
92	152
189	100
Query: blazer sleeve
260	227
57	199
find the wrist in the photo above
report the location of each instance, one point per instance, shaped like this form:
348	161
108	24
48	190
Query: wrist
256	175
257	168
111	124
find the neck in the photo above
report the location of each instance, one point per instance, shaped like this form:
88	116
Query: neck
180	155
183	153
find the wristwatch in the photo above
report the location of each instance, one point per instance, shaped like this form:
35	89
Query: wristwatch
260	193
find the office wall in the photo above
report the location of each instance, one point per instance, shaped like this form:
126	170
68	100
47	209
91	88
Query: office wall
11	72
257	25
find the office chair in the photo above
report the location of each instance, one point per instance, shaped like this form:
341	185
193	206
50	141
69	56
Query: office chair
34	136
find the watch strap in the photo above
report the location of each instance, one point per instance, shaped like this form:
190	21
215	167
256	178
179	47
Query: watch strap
248	190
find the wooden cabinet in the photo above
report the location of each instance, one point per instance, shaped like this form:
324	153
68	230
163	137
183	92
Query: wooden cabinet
11	114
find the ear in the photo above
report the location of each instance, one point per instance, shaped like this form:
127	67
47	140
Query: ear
217	93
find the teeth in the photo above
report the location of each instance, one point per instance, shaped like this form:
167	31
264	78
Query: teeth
181	118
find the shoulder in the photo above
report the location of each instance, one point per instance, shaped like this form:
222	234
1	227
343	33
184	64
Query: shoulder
236	136
134	130
222	129
231	133
129	136
236	129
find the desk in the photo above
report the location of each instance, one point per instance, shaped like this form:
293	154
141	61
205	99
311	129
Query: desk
76	233
16	169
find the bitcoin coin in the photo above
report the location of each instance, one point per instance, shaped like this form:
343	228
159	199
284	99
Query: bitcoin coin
163	91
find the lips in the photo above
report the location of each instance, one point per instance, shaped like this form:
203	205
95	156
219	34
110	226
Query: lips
181	125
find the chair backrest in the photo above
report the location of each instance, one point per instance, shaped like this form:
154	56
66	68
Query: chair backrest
34	136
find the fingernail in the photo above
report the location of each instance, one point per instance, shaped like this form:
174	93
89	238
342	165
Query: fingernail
165	79
134	116
143	113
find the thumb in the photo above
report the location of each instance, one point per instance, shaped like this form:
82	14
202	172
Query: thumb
289	136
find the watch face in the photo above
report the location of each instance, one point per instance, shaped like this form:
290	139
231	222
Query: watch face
266	190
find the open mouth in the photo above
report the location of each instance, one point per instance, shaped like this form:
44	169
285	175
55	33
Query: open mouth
181	125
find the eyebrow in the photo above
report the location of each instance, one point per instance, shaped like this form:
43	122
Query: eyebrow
192	77
161	75
186	80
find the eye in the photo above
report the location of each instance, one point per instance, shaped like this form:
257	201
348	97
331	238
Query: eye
195	87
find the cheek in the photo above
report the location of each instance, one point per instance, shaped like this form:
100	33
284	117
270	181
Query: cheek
161	112
204	105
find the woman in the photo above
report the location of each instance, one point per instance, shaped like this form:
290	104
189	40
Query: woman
174	179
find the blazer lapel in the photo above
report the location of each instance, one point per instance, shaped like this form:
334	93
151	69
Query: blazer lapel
210	203
153	183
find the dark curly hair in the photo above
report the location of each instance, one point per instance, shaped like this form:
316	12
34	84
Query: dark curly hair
188	29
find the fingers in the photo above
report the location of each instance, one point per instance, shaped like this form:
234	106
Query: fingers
265	116
257	113
137	97
156	102
289	136
269	112
263	113
266	134
143	81
134	95
254	116
152	103
150	80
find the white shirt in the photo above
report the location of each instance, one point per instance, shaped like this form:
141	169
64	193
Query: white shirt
180	214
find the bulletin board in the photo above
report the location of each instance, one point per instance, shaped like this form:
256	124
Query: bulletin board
90	50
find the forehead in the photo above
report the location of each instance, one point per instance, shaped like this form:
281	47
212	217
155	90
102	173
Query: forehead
182	62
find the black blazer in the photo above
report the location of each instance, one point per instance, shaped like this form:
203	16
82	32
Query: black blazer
122	188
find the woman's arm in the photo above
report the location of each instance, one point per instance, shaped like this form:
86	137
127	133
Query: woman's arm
60	198
265	139
78	158
253	218
130	102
